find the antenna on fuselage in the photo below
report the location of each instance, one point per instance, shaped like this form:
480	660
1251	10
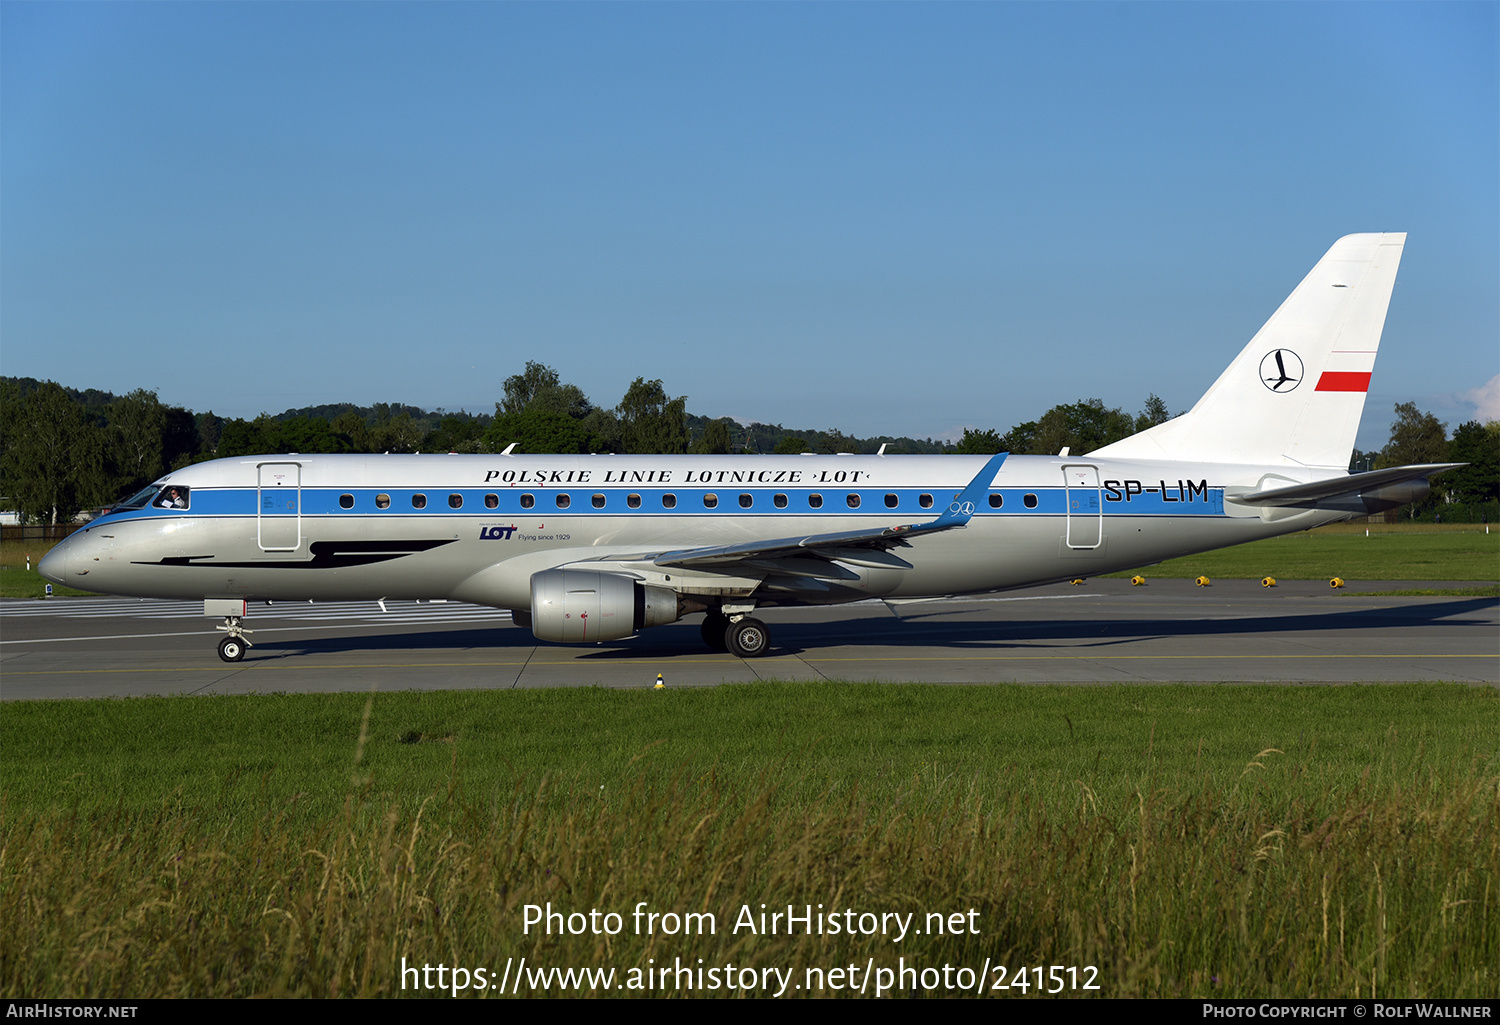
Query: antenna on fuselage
510	448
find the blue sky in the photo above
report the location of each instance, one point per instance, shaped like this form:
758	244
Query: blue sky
891	218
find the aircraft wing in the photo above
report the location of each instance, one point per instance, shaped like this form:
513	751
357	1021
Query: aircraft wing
1353	484
958	513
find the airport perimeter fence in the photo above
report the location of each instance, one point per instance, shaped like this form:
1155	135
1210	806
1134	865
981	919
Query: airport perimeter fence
41	532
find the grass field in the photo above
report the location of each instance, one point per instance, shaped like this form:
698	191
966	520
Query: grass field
1390	552
16	581
1185	840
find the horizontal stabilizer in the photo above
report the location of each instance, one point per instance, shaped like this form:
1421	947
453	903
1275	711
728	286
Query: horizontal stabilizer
1353	484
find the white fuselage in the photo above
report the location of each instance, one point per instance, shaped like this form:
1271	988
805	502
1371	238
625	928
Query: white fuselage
477	527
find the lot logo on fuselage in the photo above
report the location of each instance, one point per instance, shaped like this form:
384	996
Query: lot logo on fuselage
496	533
1281	370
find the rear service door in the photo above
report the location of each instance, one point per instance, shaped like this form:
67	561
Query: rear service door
279	507
1085	506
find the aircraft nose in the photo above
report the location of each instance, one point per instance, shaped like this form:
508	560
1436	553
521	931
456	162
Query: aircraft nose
54	565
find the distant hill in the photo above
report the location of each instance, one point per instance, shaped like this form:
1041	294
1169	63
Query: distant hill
753	438
89	398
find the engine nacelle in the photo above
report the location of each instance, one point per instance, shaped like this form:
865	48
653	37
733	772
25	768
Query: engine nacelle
572	606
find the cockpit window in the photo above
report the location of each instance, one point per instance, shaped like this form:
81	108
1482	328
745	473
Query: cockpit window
139	499
172	496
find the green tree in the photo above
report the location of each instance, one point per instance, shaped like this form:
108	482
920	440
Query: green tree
400	433
540	430
456	433
304	434
539	387
210	427
1154	413
53	462
136	424
1020	439
1416	437
715	440
239	437
650	422
1478	445
833	441
353	426
1080	427
179	437
791	445
603	429
978	443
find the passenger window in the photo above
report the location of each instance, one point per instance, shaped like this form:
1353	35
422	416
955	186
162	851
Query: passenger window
996	501
669	501
634	501
346	501
746	501
419	501
382	501
598	501
563	501
527	501
1029	501
779	501
890	501
710	501
455	501
925	501
815	501
853	500
492	501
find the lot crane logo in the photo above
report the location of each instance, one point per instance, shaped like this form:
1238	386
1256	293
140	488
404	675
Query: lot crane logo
1281	370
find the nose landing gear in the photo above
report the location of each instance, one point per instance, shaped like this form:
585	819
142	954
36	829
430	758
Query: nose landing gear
232	648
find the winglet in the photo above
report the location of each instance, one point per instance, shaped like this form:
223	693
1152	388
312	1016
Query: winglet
966	501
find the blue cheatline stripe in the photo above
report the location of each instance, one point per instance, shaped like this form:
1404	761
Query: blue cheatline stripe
318	502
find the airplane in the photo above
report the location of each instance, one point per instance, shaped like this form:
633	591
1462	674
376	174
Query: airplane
598	547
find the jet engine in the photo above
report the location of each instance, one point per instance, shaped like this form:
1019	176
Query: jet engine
571	606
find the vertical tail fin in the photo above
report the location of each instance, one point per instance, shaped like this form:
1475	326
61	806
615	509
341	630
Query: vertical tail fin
1295	394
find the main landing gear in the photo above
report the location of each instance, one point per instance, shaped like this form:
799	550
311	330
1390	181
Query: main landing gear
233	647
741	635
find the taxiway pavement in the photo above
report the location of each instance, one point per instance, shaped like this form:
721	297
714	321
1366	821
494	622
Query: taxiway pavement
1103	632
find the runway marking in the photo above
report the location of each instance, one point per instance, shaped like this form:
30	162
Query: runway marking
240	666
348	616
120	608
211	633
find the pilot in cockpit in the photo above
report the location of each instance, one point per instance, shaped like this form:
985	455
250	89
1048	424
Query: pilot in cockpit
173	498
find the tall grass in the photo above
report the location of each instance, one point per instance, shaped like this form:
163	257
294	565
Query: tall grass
1288	873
